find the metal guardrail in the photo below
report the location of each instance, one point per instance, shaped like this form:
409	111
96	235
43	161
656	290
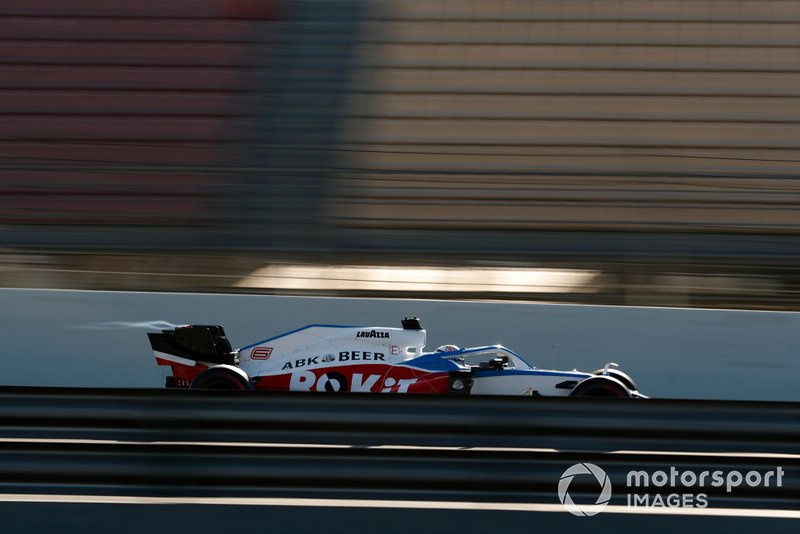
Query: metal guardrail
150	442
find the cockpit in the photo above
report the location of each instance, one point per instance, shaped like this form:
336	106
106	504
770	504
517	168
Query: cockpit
491	357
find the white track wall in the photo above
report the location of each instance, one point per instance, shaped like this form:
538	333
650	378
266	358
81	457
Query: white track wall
79	338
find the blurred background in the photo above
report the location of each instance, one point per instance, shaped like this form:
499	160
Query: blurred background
599	151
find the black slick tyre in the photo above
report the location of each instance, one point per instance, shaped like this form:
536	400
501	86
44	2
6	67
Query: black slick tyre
222	377
601	386
626	380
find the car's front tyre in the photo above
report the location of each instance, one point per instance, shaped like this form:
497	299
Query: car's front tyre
601	386
626	380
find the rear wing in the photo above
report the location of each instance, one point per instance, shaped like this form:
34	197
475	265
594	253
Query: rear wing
200	343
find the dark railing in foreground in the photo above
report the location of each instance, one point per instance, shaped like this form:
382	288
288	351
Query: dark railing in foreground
170	442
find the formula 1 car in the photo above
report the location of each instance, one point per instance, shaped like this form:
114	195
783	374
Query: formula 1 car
330	358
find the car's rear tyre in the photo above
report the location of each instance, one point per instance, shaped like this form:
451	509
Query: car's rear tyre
601	386
222	377
626	380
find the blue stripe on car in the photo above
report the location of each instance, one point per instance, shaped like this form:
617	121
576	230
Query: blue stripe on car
432	362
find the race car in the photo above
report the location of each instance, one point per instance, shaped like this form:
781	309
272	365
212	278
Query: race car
329	358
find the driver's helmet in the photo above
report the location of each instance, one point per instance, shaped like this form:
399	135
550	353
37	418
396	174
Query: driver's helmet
448	348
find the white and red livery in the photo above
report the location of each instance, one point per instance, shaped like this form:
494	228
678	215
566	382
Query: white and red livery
329	358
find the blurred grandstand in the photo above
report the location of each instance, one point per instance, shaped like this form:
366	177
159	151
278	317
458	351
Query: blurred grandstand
650	148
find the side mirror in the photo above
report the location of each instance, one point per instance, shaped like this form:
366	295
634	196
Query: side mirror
608	366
